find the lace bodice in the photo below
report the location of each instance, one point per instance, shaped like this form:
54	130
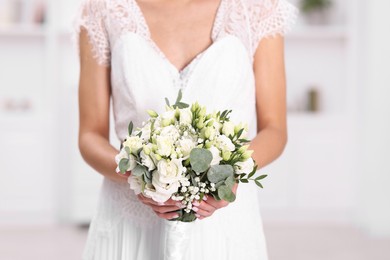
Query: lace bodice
249	20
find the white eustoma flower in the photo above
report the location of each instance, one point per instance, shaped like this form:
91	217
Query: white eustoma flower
168	117
160	192
224	143
170	131
185	116
135	184
147	161
216	155
123	155
186	145
228	128
245	166
169	171
146	131
134	143
164	145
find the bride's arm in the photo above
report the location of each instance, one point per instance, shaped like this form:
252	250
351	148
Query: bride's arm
94	108
271	139
270	81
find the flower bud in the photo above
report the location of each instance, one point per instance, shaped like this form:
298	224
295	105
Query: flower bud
158	157
247	155
147	150
226	155
202	112
152	113
208	144
166	122
243	149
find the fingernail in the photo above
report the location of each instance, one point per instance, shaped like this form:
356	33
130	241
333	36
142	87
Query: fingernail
197	215
196	203
195	209
161	203
205	198
175	216
179	205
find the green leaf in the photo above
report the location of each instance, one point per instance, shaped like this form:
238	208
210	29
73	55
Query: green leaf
218	184
250	175
240	132
230	181
139	170
167	102
260	177
127	149
244	180
181	105
218	173
123	165
258	184
226	193
130	128
200	159
179	96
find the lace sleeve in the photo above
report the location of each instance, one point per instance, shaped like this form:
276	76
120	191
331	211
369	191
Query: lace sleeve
92	16
269	18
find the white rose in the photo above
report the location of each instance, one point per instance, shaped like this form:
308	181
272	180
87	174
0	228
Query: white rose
185	116
186	145
224	143
164	145
135	184
245	166
147	161
169	171
228	128
216	155
123	155
134	143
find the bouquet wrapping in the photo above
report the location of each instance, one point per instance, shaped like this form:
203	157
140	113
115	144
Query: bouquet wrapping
185	154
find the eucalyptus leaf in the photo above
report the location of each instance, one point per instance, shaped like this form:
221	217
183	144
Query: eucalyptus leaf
218	173
123	165
230	181
179	96
127	149
244	180
225	193
200	159
167	102
139	170
181	105
130	128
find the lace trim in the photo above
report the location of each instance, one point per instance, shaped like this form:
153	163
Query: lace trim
92	15
273	17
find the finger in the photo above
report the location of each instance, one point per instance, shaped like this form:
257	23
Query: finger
124	175
217	203
164	209
169	215
203	209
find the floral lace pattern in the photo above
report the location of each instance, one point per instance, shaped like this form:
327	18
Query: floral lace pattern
249	20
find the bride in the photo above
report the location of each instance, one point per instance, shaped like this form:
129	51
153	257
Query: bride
225	54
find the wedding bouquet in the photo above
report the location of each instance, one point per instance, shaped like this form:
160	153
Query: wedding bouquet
185	154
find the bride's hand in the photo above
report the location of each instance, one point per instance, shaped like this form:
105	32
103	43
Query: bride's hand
207	207
165	210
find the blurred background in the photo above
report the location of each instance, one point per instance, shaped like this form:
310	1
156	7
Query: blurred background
327	197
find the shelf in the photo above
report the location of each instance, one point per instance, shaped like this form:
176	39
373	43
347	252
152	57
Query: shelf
22	31
321	32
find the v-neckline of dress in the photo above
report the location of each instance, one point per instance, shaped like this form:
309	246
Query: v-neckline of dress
216	26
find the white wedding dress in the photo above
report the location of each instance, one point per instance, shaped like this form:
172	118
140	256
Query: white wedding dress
221	78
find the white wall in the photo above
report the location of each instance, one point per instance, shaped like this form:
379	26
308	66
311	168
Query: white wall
374	191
